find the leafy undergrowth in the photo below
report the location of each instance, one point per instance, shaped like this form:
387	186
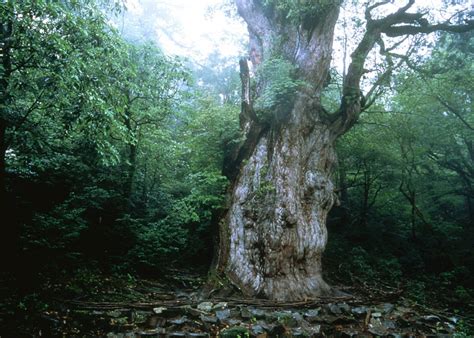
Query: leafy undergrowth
88	304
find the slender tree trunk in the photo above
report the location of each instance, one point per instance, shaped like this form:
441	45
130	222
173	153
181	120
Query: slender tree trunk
132	165
413	215
5	43
470	210
11	232
132	159
344	196
3	149
365	200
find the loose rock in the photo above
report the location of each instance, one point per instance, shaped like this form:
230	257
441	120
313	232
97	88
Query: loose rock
312	315
223	314
159	310
360	310
179	321
205	306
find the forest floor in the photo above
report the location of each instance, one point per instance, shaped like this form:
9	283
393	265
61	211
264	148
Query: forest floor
120	307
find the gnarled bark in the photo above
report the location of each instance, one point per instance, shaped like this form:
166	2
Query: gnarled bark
274	232
279	204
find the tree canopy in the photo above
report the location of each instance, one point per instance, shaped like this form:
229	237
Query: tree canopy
119	163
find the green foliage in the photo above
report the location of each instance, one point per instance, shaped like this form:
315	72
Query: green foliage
304	12
264	189
360	262
32	303
113	157
208	132
84	280
463	330
57	229
56	82
405	182
235	332
276	78
331	95
219	79
158	244
417	290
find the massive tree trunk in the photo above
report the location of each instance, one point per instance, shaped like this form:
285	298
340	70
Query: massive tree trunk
280	201
273	234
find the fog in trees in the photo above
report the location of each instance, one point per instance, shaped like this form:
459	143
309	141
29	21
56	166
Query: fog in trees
221	168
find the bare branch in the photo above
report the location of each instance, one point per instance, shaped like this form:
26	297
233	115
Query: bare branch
406	7
396	45
396	24
350	108
370	8
375	91
393	31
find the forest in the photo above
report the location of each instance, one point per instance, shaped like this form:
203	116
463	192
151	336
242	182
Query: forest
318	182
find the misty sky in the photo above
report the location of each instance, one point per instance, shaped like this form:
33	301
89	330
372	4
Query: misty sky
199	28
187	27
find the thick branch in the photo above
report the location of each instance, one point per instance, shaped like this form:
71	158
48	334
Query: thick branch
350	108
394	31
384	77
396	24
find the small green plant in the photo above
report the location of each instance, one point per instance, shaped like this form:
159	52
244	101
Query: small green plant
217	280
85	281
235	332
417	290
305	11
463	330
276	78
32	303
389	269
462	293
265	189
360	261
